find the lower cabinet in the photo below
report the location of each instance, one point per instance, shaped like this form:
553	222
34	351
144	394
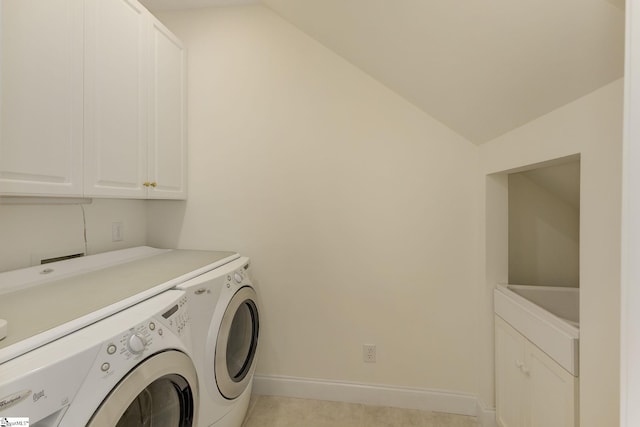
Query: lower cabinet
532	390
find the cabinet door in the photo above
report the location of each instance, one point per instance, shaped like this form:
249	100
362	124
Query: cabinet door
41	97
511	387
552	391
167	124
115	98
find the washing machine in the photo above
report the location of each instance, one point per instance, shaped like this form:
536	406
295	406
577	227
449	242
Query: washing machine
225	331
133	368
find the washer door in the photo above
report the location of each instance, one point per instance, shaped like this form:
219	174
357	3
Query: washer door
161	391
237	343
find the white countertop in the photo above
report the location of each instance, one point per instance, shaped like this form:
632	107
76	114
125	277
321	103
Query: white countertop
37	314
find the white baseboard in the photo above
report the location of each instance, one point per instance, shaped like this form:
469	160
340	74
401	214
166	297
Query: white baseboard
486	417
374	394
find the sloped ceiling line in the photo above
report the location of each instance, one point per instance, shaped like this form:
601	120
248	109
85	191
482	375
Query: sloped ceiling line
482	68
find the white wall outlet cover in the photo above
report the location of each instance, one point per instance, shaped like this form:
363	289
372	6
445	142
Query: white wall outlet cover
117	231
369	353
4	328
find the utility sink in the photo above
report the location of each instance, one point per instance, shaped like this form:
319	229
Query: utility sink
548	316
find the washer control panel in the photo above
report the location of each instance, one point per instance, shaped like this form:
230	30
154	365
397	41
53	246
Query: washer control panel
137	343
176	318
145	338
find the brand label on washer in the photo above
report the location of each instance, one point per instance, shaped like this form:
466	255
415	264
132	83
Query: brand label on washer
13	399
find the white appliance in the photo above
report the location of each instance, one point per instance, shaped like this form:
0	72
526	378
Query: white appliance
130	366
225	330
43	303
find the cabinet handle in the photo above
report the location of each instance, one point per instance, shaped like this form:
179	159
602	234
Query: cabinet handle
154	184
146	184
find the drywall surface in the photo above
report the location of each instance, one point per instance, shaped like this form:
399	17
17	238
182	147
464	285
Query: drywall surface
102	213
543	235
480	69
357	209
592	128
32	231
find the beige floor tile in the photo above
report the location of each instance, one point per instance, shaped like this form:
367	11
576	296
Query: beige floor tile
334	414
271	411
451	420
382	416
252	404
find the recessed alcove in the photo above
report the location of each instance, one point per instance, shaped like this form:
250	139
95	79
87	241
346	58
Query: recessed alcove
544	224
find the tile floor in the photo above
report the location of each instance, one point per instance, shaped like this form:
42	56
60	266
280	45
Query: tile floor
272	411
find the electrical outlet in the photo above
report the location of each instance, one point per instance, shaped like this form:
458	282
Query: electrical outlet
369	353
117	234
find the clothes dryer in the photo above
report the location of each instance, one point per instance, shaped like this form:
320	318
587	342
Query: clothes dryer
131	368
225	332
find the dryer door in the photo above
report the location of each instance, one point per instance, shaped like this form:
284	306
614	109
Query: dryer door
237	343
161	391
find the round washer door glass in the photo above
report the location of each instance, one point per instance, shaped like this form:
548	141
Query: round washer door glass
237	343
162	391
163	403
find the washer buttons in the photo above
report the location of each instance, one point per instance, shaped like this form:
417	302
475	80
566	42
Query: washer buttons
105	367
152	326
237	277
111	349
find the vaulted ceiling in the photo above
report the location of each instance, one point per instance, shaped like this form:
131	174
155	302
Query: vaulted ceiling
480	67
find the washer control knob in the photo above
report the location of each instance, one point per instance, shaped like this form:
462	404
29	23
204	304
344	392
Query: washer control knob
136	343
237	277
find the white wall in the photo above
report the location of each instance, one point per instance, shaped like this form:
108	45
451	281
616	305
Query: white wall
591	127
358	210
543	235
630	292
48	230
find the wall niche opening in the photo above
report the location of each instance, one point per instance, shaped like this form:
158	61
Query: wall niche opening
544	224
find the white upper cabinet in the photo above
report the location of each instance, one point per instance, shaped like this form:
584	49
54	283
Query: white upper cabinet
92	101
167	165
116	101
135	138
41	97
